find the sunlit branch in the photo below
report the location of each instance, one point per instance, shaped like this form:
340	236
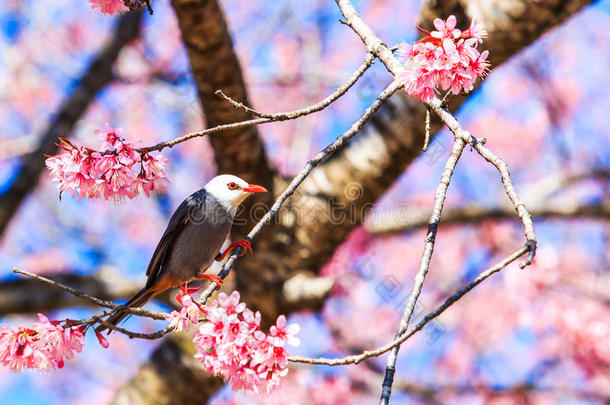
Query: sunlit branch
266	118
502	167
322	104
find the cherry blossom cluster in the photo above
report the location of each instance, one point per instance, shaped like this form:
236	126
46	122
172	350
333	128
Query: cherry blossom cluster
230	343
44	346
109	6
447	57
118	170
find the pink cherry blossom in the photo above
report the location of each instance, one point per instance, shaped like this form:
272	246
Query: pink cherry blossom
117	171
282	334
58	342
18	350
446	29
44	346
476	31
178	320
447	58
188	314
231	344
109	6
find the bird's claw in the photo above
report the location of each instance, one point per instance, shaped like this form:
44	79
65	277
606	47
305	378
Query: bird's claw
214	279
245	244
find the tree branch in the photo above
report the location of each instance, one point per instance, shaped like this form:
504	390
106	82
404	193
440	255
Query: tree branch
536	195
298	179
263	117
512	24
322	104
372	162
399	221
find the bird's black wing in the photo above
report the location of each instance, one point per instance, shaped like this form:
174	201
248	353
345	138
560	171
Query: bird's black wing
190	209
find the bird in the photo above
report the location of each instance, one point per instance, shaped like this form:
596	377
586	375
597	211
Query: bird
192	241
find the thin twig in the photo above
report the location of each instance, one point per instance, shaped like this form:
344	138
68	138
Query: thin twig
298	179
427	130
439	200
108	304
354	359
265	118
96	301
459	132
322	104
219	128
135	335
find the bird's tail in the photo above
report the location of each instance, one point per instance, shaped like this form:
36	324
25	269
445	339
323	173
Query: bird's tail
141	298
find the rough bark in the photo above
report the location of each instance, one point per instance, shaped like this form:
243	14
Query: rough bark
368	165
215	66
475	214
96	77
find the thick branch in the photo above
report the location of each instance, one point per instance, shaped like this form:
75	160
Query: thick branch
302	175
399	221
97	76
171	376
215	67
371	162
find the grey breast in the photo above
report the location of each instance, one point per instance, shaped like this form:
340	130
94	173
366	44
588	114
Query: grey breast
207	227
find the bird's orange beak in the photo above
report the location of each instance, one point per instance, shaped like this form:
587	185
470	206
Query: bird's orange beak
254	188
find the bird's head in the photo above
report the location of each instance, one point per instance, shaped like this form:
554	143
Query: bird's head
231	190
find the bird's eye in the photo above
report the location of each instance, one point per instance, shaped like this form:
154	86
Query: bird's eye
233	186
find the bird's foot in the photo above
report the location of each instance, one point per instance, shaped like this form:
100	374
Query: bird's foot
185	290
213	279
245	244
